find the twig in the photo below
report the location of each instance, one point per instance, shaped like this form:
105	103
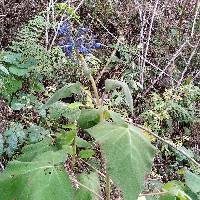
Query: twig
197	74
187	65
107	179
167	66
119	41
195	17
104	27
156	67
47	26
168	143
61	21
148	40
143	21
153	194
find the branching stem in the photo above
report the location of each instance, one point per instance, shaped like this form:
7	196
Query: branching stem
170	144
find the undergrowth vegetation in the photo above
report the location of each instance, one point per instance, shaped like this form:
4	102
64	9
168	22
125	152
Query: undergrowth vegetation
104	103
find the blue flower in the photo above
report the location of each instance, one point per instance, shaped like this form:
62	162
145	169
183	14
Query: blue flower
68	48
64	29
96	45
83	31
82	49
81	40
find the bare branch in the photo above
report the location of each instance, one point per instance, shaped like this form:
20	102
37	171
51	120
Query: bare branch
167	66
195	17
148	40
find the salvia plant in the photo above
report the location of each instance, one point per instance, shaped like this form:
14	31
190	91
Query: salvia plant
46	168
79	40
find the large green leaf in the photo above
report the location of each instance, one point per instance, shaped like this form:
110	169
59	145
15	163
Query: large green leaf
31	151
64	92
41	178
128	153
193	181
113	84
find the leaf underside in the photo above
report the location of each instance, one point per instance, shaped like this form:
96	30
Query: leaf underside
128	154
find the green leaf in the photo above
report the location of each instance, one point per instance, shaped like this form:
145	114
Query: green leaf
19	71
64	92
90	181
82	143
29	152
128	153
116	117
12	85
15	136
87	153
192	181
176	188
36	176
40	179
168	197
3	69
11	58
37	86
37	133
65	138
88	118
113	84
16	105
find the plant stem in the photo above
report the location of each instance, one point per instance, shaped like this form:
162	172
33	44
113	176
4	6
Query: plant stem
98	102
74	153
94	86
107	187
170	144
95	90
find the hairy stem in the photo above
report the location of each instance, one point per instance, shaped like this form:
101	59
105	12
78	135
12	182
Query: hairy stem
107	187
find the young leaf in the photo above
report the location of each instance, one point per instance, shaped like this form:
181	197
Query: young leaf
129	156
88	118
42	177
82	143
176	188
65	138
86	153
64	92
90	181
113	84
